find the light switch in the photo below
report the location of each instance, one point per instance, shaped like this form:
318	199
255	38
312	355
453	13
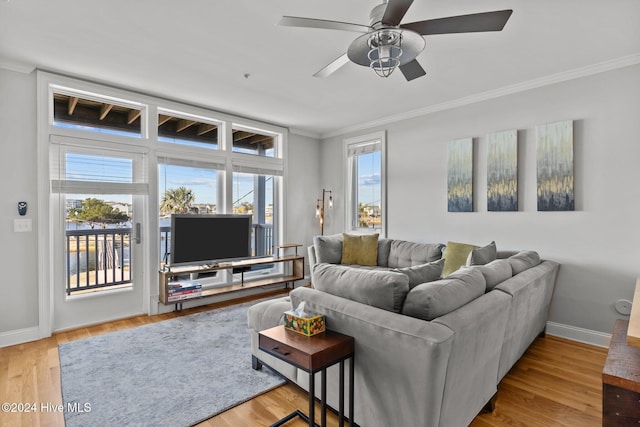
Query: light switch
22	225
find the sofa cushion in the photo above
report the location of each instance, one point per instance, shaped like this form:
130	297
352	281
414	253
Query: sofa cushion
523	260
455	256
495	272
328	248
424	273
483	255
361	249
407	254
434	299
379	288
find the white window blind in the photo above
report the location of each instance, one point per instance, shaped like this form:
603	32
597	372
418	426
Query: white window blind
217	164
258	169
364	148
75	170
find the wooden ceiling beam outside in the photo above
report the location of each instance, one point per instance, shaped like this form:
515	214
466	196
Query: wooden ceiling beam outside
239	135
257	139
104	110
73	102
205	128
183	124
162	119
133	115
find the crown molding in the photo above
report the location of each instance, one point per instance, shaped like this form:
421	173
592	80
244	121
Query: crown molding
300	132
17	66
564	76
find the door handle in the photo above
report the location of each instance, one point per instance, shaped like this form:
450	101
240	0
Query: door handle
138	236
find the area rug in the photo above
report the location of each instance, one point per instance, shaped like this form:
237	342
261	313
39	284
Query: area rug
176	372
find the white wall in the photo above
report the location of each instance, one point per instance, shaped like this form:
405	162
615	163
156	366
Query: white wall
18	251
598	245
302	190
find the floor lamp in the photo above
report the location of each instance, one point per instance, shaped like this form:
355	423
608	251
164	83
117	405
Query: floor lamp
320	203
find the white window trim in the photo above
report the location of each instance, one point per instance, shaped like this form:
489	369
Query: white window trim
348	179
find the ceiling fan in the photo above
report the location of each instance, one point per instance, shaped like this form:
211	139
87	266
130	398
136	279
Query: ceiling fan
387	44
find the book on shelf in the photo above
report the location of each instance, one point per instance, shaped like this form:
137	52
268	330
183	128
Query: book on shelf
181	297
183	286
179	290
185	292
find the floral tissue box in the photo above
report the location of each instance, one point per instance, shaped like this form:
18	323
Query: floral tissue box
310	324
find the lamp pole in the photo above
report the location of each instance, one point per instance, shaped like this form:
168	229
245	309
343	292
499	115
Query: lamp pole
320	203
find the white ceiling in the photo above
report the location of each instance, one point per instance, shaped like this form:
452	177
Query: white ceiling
199	51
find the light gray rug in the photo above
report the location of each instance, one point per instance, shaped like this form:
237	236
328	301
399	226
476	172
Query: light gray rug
176	372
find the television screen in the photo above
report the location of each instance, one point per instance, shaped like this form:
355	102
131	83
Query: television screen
201	239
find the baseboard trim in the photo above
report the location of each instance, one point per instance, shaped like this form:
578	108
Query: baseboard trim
19	336
573	333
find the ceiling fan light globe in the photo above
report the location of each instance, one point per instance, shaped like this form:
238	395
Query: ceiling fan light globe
385	59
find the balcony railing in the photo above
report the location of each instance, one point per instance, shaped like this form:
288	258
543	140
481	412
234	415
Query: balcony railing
101	258
98	258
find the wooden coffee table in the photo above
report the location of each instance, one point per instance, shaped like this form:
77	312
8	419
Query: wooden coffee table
313	354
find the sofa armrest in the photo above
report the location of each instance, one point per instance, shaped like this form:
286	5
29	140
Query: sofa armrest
400	361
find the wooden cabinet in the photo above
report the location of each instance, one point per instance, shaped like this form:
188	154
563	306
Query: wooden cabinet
293	267
621	380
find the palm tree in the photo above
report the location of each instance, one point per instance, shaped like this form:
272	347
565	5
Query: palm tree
177	200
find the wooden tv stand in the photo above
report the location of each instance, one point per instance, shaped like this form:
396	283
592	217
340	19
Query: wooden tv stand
296	273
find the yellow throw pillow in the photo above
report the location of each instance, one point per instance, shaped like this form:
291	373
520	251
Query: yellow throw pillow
455	256
361	250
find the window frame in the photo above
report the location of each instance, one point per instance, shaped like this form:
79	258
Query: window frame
350	195
147	141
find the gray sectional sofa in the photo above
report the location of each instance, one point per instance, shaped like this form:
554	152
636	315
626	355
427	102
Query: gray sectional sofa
428	351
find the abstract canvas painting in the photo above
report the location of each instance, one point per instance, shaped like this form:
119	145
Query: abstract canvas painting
502	171
460	175
555	166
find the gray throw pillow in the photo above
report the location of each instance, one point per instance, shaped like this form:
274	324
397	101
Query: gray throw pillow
495	272
424	273
384	245
434	299
379	288
407	254
523	261
328	248
483	255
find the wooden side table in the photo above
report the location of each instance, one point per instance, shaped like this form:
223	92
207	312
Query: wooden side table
621	380
313	354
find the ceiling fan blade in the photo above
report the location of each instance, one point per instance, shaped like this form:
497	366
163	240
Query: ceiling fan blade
395	11
412	70
294	21
333	66
476	22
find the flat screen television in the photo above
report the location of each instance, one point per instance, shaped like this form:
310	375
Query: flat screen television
207	239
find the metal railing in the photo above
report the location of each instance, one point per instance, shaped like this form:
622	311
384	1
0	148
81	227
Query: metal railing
97	258
101	258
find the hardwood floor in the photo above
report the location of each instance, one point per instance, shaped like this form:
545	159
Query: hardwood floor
556	383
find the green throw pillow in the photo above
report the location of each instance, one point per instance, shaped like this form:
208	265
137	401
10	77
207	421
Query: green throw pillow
360	250
455	256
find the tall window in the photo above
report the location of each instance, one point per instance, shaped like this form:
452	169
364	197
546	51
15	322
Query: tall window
365	171
254	193
185	186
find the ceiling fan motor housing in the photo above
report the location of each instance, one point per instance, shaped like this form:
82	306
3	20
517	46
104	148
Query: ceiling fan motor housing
375	17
